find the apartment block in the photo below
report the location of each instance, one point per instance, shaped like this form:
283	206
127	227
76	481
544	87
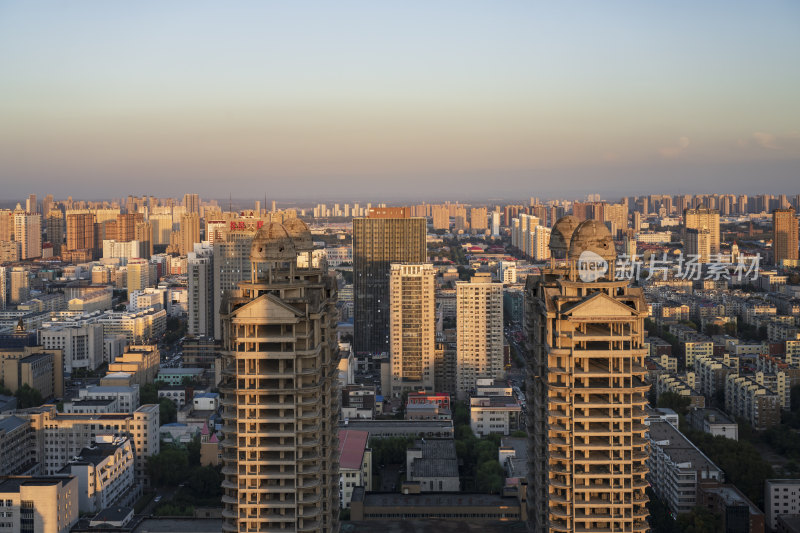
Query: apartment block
479	326
781	498
746	398
412	327
355	464
677	467
46	504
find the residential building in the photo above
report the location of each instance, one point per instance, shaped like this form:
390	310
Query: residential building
479	326
384	237
708	219
279	390
46	504
28	232
61	436
17	447
200	266
412	328
677	467
746	398
586	393
738	513
105	474
494	414
35	366
781	498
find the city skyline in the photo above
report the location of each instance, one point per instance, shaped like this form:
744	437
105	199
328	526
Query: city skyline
385	99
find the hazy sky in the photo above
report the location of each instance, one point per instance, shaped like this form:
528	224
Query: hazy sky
412	99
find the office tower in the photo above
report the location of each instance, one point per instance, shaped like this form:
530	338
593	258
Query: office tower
412	327
784	235
138	274
280	390
698	243
190	232
32	205
144	234
539	243
704	218
477	219
81	232
479	332
55	229
441	217
200	298
28	232
384	237
586	393
191	203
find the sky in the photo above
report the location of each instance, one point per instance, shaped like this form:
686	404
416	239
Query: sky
396	99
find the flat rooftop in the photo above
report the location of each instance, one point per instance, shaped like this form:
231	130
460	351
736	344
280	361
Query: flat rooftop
679	448
439	499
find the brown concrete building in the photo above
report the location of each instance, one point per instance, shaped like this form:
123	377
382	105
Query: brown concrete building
784	235
41	368
737	511
586	393
702	218
280	380
81	238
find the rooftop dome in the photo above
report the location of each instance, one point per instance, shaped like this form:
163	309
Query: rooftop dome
592	236
561	235
298	230
272	243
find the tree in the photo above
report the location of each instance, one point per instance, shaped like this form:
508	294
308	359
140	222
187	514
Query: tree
205	482
148	393
489	477
193	449
700	520
676	402
168	467
167	411
27	396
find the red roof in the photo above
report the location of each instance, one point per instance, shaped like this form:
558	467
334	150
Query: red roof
351	448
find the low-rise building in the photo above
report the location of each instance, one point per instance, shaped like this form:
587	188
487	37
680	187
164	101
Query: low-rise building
34	366
80	341
781	498
141	361
176	393
494	414
45	504
713	422
175	376
355	464
513	457
105	474
738	513
62	436
682	385
677	467
433	464
126	398
441	429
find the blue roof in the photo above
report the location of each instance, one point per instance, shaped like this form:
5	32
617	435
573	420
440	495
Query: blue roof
206	395
378	398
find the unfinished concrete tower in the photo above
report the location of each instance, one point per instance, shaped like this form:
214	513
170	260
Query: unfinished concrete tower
586	389
280	404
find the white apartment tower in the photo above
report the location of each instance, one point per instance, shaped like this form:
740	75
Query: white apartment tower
479	332
412	327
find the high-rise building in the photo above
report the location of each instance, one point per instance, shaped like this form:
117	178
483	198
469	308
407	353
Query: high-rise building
55	229
477	219
479	332
441	217
702	218
81	232
280	390
385	236
784	235
191	202
698	243
190	232
6	225
126	226
32	205
586	393
412	327
162	227
144	234
3	287
19	285
28	232
138	274
200	299
231	265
